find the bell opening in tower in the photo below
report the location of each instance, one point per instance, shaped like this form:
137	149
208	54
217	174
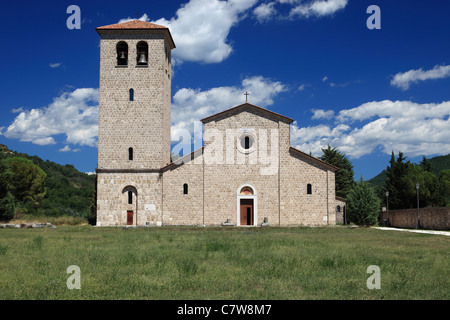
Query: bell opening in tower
142	53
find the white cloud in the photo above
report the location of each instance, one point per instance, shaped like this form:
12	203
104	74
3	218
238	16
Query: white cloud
55	65
415	129
65	149
318	8
322	114
73	114
405	79
68	149
143	18
17	110
190	105
265	11
290	9
325	78
201	29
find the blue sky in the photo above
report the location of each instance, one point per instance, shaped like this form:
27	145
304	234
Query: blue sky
365	91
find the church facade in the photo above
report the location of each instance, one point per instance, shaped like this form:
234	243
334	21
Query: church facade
245	173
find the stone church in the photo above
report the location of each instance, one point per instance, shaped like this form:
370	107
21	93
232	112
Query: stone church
245	173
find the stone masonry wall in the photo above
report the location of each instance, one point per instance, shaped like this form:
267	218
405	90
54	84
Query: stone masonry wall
112	198
299	207
430	218
223	178
142	124
180	208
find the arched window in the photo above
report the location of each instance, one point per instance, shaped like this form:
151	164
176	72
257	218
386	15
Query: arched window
130	154
185	188
142	53
309	189
131	95
338	209
246	191
122	53
130	195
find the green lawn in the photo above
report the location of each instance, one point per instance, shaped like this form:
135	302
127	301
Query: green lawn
222	263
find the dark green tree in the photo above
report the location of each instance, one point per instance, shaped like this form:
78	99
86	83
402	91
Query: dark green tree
444	177
363	205
431	189
402	177
396	182
344	175
93	206
27	181
7	208
426	165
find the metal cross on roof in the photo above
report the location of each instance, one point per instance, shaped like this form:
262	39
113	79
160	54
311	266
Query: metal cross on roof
246	94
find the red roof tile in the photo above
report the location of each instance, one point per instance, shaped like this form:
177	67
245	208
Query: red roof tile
138	25
133	24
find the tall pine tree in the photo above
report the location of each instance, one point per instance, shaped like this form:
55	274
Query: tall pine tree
426	165
397	182
344	175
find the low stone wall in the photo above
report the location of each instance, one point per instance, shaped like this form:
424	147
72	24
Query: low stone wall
430	218
27	225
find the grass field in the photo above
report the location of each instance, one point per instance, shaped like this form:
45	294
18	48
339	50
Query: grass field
222	263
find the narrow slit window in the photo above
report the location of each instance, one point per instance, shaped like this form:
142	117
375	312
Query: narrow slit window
131	94
247	143
130	197
185	188
309	189
130	154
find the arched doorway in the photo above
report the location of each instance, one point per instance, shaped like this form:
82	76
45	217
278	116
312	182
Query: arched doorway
246	214
129	200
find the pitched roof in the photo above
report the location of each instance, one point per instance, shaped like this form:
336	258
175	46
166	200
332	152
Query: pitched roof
247	106
332	167
133	24
184	159
137	25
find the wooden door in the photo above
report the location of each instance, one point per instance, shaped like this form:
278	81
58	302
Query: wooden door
246	212
130	217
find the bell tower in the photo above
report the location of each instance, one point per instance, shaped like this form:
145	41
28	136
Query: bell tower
135	94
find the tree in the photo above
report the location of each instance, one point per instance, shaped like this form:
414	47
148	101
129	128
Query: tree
431	189
27	181
7	208
93	206
344	175
444	177
396	182
363	205
402	177
426	165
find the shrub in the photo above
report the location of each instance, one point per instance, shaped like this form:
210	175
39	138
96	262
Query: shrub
363	204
